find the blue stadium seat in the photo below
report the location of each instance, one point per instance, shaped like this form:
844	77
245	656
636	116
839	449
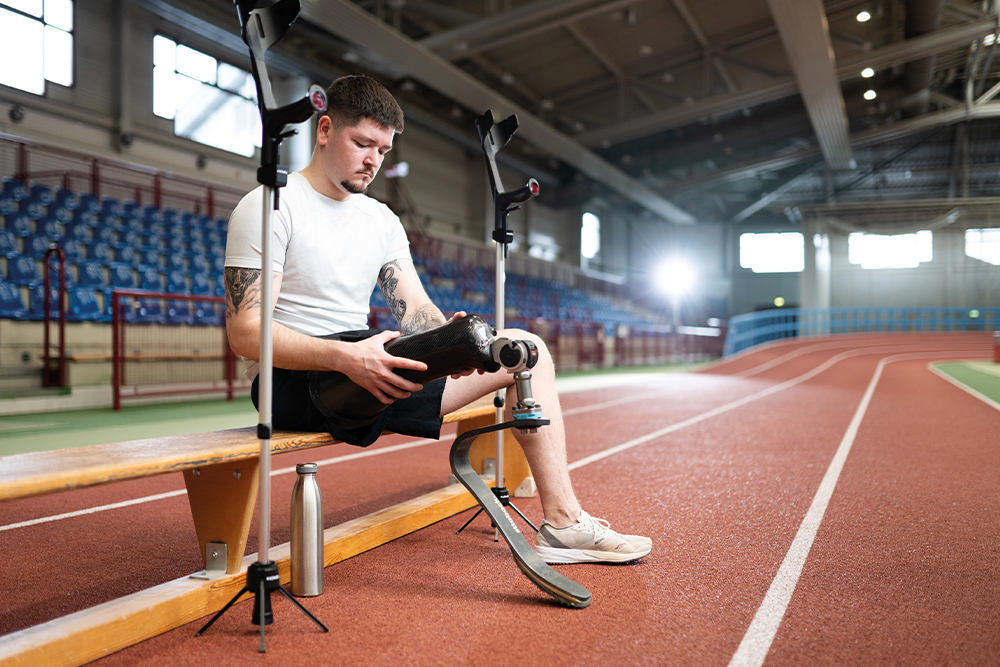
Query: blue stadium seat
153	241
66	198
52	228
80	232
102	252
14	189
149	278
219	264
105	219
11	303
127	254
215	236
208	313
107	234
200	264
121	275
197	248
22	270
148	311
175	261
8	243
157	228
134	224
151	257
88	202
152	214
217	250
131	209
91	274
196	234
35	210
82	216
8	205
19	223
111	206
177	244
130	237
178	312
61	213
36	302
83	306
170	216
200	284
36	246
40	193
176	282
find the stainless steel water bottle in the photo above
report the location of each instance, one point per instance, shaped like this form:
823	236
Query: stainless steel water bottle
307	533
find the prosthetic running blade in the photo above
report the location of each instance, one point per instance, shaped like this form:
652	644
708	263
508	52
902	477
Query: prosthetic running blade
563	589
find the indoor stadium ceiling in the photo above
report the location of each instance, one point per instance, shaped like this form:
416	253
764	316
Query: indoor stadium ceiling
689	110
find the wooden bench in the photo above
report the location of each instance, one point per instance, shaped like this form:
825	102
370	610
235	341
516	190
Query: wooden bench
221	475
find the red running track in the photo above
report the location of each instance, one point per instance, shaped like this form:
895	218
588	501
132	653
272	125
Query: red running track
767	550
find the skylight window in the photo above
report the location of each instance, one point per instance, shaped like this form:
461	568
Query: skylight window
984	245
782	252
36	44
210	102
897	251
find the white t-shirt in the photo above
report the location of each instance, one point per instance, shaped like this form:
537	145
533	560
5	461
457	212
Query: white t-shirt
329	253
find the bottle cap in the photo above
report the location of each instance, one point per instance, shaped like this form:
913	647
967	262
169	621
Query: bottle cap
306	468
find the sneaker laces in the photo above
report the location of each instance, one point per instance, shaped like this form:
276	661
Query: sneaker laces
598	526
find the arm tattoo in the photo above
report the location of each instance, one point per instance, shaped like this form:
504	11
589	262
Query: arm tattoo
387	282
241	285
423	318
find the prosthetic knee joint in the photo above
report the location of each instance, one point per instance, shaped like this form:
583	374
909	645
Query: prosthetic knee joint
518	357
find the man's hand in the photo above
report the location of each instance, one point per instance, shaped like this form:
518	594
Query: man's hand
371	367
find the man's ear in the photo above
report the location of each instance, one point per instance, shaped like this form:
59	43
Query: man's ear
324	128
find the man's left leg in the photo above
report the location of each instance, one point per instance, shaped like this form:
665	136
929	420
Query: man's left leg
568	534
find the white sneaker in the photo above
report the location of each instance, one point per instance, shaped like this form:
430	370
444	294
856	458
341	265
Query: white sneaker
589	540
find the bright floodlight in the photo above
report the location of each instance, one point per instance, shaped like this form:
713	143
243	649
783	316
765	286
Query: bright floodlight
863	16
870	94
675	277
868	72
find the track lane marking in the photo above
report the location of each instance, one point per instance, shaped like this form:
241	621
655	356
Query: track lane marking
757	640
283	471
418	443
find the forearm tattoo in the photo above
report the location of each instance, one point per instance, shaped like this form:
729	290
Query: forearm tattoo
423	318
242	289
387	282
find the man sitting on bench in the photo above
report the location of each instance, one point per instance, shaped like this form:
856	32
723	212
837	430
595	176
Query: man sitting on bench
331	244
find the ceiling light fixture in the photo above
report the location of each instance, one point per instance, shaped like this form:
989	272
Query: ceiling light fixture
870	94
868	72
863	16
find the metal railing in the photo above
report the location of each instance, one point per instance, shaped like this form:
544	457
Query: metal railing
751	329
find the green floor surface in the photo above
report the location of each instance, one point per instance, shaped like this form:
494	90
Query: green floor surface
980	376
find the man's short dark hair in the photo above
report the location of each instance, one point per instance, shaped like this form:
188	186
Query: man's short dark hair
351	98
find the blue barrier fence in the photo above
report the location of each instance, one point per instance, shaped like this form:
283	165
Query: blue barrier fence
746	331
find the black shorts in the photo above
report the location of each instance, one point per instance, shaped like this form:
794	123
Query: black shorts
292	408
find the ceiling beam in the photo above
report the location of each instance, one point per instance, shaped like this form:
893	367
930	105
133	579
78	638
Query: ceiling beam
880	58
858	140
699	34
806	37
351	23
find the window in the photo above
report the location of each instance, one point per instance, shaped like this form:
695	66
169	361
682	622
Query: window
897	251
543	246
782	252
590	236
36	44
983	244
210	102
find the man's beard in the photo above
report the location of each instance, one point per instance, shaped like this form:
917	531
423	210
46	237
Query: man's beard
354	188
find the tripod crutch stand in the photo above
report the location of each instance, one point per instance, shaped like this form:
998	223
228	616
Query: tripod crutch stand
263	23
518	357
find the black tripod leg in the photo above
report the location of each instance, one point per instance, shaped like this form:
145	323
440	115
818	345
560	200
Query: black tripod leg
466	524
263	616
223	610
514	507
302	609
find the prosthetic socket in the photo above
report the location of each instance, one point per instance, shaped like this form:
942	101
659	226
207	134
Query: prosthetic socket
460	345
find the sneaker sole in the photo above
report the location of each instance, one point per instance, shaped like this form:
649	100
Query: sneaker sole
554	556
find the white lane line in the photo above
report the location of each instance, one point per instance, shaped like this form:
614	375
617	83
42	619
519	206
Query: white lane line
419	443
757	641
365	453
969	390
732	405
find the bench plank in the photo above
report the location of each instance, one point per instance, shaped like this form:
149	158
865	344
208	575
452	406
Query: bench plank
35	473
